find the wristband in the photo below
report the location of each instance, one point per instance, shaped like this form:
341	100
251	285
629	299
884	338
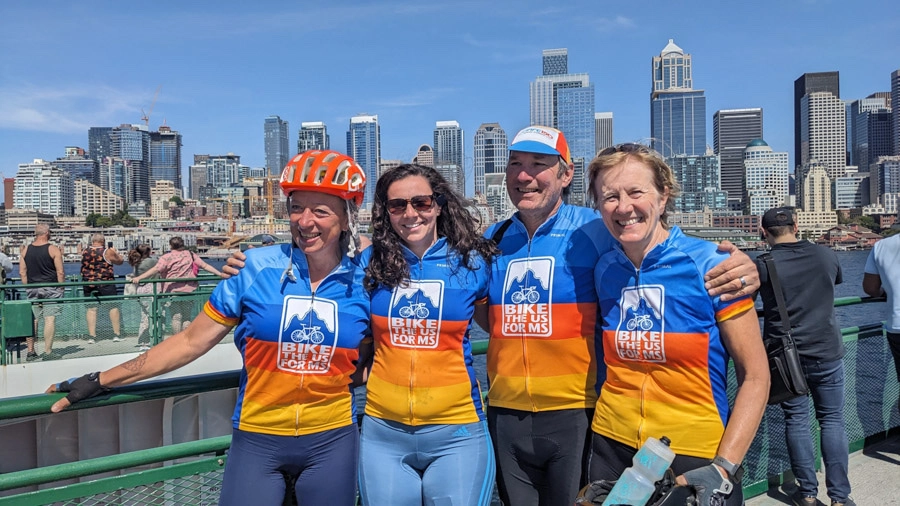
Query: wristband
735	471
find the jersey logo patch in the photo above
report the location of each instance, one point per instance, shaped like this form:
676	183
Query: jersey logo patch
308	334
415	315
528	297
640	335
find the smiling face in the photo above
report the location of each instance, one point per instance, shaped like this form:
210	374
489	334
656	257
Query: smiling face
631	206
317	220
416	228
535	185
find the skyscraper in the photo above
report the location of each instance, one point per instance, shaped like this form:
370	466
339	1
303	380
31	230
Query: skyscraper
766	177
870	119
76	163
98	148
165	156
677	110
733	129
276	144
556	61
491	153
823	139
895	108
448	143
364	146
312	135
565	101
603	127
131	144
809	83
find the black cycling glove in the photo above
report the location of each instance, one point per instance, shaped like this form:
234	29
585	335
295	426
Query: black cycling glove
82	388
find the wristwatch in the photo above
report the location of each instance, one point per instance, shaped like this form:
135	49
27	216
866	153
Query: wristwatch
735	471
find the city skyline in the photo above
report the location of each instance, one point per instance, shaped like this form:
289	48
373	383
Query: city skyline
409	72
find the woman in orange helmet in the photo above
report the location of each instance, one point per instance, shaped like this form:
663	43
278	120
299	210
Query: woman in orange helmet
294	416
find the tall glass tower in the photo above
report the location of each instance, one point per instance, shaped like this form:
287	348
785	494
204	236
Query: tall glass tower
491	153
811	82
276	144
677	110
165	156
364	146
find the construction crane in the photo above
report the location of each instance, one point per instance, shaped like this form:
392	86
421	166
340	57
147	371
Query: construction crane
145	117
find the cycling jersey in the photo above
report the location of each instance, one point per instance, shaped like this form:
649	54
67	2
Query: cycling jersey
298	345
423	370
543	309
666	365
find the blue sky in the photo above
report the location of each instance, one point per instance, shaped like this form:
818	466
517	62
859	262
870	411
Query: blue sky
223	66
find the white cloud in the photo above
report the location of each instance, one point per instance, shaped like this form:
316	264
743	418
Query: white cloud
67	109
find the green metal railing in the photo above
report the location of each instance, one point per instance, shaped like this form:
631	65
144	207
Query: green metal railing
871	387
17	322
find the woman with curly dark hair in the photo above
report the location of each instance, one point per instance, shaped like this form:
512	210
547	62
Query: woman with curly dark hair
424	436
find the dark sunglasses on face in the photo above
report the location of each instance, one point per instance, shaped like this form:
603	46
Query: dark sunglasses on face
420	203
627	147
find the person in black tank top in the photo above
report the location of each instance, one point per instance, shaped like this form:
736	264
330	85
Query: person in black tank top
42	262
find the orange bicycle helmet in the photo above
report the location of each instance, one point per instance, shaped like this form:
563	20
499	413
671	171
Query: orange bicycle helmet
327	172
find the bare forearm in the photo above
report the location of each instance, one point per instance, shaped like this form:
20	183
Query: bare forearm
743	423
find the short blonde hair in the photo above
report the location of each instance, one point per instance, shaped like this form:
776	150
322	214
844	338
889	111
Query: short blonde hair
663	175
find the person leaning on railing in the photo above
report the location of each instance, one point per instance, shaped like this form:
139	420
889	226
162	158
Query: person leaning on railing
299	313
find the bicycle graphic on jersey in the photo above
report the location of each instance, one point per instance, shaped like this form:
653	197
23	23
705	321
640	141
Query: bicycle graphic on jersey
640	320
414	309
308	334
528	293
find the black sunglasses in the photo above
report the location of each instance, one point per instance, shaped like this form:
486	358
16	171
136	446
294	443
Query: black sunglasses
419	203
626	147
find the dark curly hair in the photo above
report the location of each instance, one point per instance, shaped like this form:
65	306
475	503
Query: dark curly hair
387	266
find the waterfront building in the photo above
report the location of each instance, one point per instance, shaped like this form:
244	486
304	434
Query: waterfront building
677	110
491	153
556	61
698	177
276	132
91	199
733	130
766	176
823	132
851	191
810	82
449	147
566	102
895	118
42	187
364	146
312	135
131	144
603	131
165	156
77	163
